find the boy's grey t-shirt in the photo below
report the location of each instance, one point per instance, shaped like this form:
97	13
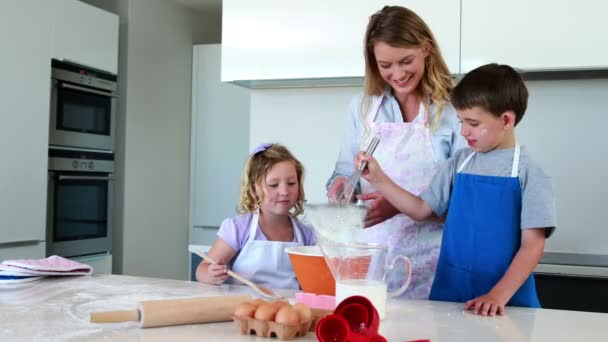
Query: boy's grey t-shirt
538	202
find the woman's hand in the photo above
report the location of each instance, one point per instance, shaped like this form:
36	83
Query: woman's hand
378	208
336	188
489	304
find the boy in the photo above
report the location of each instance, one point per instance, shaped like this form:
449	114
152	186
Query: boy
499	203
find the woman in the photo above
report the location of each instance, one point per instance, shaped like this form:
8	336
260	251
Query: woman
406	103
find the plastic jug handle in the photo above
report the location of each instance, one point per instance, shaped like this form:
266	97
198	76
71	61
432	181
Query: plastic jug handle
406	283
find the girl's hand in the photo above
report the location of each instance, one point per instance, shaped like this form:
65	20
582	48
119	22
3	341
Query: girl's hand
372	172
217	273
378	208
487	305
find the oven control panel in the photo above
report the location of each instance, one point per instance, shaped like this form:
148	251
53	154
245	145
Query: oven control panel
82	161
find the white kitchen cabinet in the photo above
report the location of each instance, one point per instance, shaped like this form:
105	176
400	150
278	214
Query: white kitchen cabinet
219	141
31	251
535	35
25	66
274	39
85	35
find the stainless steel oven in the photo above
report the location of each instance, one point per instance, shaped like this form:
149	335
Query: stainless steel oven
83	107
79	204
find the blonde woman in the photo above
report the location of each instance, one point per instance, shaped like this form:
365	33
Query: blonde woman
253	243
406	102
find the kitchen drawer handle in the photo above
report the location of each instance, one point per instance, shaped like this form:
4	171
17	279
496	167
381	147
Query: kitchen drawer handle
87	90
19	243
109	178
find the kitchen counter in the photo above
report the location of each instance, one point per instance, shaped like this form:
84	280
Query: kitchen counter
57	309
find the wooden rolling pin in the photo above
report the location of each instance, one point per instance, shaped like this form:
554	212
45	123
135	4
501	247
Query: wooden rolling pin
167	312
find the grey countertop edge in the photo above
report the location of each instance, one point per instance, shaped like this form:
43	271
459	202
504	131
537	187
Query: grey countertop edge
559	264
575	259
573	264
571	271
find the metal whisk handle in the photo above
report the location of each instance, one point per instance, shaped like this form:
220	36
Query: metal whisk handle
349	189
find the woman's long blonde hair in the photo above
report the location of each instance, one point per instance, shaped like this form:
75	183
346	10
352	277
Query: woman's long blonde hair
253	178
400	27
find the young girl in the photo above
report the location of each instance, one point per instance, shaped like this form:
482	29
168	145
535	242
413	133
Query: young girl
253	243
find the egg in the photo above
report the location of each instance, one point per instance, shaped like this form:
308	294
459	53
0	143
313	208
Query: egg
257	302
245	309
287	315
280	303
303	311
266	312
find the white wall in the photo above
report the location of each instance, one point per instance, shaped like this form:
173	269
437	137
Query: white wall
307	121
562	128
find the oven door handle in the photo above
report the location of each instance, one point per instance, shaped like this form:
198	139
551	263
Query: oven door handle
87	90
109	178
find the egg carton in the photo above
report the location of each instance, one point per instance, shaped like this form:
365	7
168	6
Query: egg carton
317	314
249	326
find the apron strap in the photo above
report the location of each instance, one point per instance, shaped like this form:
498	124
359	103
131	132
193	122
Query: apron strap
515	168
296	231
423	116
253	227
375	109
465	162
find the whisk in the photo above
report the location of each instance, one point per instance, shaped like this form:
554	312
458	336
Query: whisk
347	193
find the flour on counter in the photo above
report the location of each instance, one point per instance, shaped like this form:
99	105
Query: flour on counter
61	307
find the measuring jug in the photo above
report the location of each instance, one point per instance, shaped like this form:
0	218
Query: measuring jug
362	269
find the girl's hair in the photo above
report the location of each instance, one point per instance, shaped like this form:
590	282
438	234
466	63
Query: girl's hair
400	27
258	164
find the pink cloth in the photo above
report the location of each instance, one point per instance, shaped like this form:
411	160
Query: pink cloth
53	265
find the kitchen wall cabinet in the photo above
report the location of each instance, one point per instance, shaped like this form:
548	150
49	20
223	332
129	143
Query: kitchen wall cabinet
534	35
268	39
85	35
219	141
25	87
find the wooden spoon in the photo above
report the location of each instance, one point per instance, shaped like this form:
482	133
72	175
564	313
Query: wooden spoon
264	291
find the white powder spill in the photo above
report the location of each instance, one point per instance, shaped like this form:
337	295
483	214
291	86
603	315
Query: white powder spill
58	309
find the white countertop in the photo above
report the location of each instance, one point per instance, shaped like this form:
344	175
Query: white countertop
57	309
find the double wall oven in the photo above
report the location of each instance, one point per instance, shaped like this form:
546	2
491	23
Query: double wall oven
81	161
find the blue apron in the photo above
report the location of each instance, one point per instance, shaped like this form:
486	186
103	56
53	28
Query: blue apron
482	234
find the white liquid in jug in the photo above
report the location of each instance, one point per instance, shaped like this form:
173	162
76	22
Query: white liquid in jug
375	291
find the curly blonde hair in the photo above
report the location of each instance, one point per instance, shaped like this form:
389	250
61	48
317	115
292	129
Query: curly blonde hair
400	27
258	164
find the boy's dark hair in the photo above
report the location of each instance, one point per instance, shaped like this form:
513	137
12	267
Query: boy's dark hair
493	87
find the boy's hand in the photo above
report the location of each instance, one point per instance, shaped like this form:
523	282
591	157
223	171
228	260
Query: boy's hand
217	273
372	172
487	305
